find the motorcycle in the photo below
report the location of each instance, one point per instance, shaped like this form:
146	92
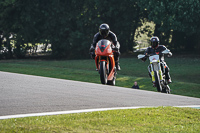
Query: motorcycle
105	62
156	70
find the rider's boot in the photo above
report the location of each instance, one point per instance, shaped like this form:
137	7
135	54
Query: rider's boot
167	75
168	78
169	81
117	66
154	84
116	56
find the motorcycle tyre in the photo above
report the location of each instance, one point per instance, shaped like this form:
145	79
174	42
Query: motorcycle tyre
168	89
157	82
164	90
103	72
111	82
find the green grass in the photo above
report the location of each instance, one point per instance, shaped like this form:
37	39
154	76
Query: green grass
160	119
185	72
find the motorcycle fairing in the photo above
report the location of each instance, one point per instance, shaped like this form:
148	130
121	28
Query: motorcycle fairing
154	58
155	66
111	75
103	48
104	52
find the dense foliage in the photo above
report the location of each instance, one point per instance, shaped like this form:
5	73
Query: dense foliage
69	26
177	18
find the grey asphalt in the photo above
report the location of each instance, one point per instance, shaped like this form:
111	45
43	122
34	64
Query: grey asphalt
23	94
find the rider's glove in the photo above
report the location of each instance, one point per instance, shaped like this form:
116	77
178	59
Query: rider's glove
115	48
170	54
144	59
91	49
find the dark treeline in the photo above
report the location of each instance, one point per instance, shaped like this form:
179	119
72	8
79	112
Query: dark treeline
69	25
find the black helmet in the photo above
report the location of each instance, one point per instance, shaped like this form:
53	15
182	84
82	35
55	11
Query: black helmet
104	30
154	41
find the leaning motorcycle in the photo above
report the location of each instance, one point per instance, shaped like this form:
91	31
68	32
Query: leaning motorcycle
156	70
105	62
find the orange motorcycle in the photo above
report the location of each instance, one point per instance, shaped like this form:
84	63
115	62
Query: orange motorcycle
105	62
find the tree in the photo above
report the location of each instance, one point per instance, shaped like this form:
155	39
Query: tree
178	18
68	25
124	18
6	25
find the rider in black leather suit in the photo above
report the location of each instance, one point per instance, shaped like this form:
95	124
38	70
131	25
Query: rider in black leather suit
105	33
157	49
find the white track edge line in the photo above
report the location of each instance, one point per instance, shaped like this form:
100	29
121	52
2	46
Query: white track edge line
64	112
79	111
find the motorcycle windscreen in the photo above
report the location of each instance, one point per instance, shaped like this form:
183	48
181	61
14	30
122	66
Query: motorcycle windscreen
102	44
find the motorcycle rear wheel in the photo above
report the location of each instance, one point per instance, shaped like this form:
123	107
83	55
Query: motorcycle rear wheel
103	72
157	81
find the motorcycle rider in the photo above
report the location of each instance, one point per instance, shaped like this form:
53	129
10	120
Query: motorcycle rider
156	48
105	33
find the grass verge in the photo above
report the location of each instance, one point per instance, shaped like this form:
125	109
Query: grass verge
160	119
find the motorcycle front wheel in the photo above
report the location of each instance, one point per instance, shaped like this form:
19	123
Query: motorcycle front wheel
157	81
111	82
103	72
166	89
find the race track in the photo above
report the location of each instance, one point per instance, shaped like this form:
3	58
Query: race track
25	94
